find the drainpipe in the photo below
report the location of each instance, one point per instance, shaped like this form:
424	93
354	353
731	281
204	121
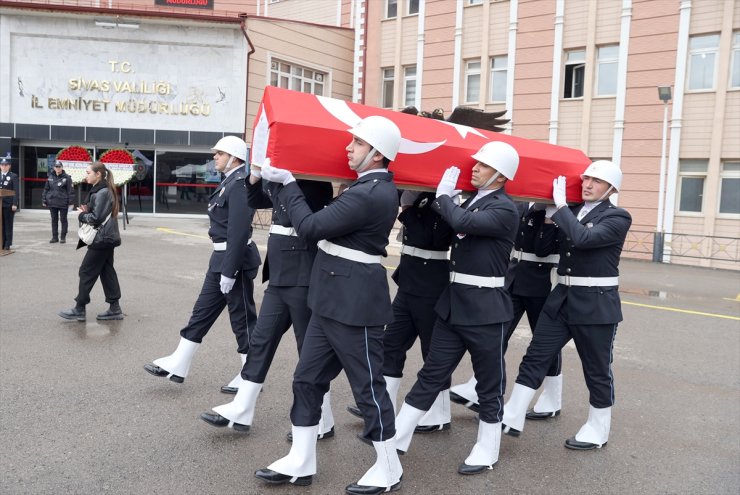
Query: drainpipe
242	26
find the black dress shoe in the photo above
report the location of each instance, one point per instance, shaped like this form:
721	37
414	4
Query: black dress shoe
431	428
354	411
110	314
62	241
219	422
278	479
53	240
466	469
229	390
73	314
320	436
574	444
508	430
459	399
157	371
355	489
542	415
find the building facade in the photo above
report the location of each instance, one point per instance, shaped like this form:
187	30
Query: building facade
577	73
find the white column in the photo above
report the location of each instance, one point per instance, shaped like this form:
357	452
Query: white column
510	62
624	45
420	54
457	55
557	62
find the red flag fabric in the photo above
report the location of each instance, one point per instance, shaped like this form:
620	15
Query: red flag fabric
307	134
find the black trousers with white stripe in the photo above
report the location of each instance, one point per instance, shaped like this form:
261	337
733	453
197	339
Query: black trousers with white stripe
330	347
595	344
211	302
449	345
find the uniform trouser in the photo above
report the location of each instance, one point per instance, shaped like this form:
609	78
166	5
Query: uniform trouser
281	307
533	307
412	316
58	214
8	217
594	343
98	263
211	301
329	347
449	344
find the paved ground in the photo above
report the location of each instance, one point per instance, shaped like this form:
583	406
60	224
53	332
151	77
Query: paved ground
80	415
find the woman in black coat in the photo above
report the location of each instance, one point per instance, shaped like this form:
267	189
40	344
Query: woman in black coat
101	211
57	196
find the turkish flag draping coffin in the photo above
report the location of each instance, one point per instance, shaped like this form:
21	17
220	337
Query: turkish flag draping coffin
307	135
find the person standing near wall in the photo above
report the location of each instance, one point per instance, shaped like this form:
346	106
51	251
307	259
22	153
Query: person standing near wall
58	197
101	211
9	182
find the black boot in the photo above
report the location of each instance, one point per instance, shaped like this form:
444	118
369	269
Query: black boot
112	313
76	313
63	240
54	239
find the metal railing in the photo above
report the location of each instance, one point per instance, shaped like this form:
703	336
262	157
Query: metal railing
661	246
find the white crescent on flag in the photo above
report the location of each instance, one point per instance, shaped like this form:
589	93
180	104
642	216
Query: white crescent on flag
342	112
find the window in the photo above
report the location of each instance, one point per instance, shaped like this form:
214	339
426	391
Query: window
606	70
729	188
575	73
391	9
472	81
702	61
475	2
735	74
388	87
413	7
292	76
409	86
499	67
692	176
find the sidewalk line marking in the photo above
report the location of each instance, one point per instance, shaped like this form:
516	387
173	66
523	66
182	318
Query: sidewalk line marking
677	310
172	231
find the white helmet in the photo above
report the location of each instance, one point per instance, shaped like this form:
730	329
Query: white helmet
605	170
380	133
499	155
232	145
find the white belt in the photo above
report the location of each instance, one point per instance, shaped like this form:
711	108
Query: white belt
588	281
524	256
279	229
424	253
347	253
221	246
490	282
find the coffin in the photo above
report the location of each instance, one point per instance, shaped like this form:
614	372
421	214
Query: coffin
307	135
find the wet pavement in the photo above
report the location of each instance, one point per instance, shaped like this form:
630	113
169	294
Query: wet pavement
80	415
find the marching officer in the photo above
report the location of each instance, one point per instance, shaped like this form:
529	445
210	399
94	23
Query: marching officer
234	262
474	311
287	270
422	274
529	283
9	182
350	303
584	305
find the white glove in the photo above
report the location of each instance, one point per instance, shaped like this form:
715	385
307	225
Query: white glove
447	185
227	283
550	211
274	174
558	192
409	197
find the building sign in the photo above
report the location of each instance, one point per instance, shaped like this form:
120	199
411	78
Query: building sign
154	77
191	4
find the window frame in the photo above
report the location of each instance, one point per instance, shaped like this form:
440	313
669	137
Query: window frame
692	175
505	71
735	61
692	52
384	81
386	11
406	80
600	62
727	174
408	7
574	65
292	64
468	74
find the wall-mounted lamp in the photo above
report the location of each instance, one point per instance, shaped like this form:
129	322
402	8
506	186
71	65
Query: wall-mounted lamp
664	93
113	23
